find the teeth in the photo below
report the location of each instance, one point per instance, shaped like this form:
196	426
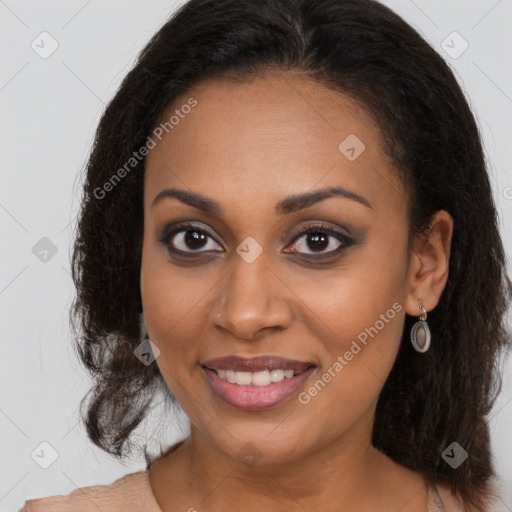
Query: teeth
262	378
243	378
277	375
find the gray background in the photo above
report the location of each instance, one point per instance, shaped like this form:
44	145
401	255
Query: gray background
49	109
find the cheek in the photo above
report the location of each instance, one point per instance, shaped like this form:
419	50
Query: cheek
358	316
347	300
172	297
360	336
360	333
169	308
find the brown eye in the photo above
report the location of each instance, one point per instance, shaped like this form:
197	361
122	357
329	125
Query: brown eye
316	242
192	239
320	240
188	239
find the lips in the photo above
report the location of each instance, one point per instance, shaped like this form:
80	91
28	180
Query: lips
257	383
256	364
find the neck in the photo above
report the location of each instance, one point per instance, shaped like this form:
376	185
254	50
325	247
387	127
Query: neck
345	473
348	472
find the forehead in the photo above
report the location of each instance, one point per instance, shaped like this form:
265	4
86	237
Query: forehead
266	137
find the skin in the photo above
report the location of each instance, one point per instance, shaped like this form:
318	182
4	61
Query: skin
247	146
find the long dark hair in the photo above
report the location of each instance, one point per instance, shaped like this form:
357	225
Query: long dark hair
363	49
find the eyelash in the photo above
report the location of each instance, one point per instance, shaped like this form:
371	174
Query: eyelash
167	235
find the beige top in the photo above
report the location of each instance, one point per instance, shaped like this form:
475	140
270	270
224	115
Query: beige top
133	493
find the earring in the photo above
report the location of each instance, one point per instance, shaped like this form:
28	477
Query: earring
420	332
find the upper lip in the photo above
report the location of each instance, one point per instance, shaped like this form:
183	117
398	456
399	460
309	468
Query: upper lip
256	364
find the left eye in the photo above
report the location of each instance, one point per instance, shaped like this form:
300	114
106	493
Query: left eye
320	240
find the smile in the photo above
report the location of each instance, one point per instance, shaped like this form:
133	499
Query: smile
257	383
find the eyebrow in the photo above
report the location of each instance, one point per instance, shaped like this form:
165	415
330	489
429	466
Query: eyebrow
286	206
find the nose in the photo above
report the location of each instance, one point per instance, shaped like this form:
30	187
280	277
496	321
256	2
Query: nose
252	300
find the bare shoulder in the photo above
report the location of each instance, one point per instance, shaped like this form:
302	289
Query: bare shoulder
128	493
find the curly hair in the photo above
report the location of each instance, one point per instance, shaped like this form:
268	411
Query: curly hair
363	49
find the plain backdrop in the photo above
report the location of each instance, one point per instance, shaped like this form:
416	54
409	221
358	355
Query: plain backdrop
49	108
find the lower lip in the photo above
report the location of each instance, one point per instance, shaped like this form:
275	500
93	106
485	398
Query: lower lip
254	398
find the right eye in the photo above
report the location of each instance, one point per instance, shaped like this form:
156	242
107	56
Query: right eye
188	239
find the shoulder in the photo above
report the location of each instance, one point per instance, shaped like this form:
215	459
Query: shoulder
131	493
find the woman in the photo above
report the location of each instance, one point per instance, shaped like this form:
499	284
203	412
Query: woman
292	197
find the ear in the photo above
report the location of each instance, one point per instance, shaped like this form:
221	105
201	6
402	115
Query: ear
429	263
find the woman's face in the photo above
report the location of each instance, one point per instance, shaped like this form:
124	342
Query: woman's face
244	282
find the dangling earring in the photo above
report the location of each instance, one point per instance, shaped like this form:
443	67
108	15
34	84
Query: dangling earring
420	333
